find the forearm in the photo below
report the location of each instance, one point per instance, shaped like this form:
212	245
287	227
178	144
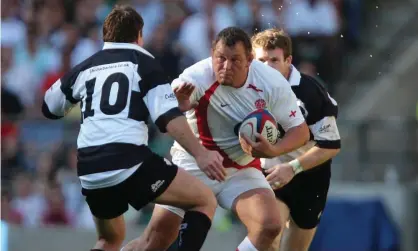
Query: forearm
316	156
293	139
180	130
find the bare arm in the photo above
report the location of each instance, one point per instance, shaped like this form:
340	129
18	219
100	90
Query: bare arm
316	156
290	118
294	138
180	130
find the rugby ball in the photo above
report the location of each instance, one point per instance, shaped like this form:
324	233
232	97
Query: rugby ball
260	121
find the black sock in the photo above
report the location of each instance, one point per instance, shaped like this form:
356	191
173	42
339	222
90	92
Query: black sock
193	231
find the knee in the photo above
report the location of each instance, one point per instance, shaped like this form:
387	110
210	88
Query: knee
206	203
271	226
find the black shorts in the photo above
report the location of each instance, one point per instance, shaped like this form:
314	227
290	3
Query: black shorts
148	182
306	195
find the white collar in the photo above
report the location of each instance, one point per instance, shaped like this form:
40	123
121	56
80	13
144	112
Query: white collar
294	78
110	45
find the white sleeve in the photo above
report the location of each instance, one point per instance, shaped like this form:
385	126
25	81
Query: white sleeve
196	75
286	109
56	105
326	133
186	78
159	98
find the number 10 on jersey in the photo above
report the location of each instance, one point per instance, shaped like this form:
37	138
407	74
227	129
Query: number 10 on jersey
106	107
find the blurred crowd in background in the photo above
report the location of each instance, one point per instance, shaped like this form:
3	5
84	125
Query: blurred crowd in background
42	39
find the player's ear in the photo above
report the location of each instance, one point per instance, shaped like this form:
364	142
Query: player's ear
289	60
250	58
140	41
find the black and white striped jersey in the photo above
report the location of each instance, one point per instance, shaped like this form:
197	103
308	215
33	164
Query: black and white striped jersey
118	88
320	111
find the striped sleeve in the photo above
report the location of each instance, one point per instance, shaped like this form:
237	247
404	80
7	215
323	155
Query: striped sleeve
59	99
321	113
158	96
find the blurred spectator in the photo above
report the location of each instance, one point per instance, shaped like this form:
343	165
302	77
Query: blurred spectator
10	23
315	26
152	11
11	107
164	52
18	77
66	175
32	53
27	201
8	214
10	151
200	29
255	15
318	17
55	213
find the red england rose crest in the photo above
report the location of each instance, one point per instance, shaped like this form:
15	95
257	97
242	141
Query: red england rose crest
260	104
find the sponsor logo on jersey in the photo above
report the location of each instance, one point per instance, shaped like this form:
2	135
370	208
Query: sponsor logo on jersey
170	96
292	114
260	104
324	128
224	104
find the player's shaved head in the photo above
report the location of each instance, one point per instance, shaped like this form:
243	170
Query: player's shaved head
232	56
231	36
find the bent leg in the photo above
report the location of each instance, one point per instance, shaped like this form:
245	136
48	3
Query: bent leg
160	233
111	233
200	205
296	239
259	212
284	219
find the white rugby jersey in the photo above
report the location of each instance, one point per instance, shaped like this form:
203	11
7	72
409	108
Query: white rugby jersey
118	88
221	108
320	111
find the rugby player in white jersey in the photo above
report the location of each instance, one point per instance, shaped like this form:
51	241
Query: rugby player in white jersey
302	196
119	87
218	93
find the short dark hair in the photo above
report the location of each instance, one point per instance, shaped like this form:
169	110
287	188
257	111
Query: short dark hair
122	25
231	36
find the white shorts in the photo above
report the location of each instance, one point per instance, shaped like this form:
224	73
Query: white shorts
238	181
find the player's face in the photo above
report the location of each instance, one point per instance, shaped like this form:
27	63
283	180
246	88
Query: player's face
274	58
231	64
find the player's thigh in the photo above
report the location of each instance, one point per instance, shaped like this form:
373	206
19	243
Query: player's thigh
296	238
250	196
187	192
158	180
